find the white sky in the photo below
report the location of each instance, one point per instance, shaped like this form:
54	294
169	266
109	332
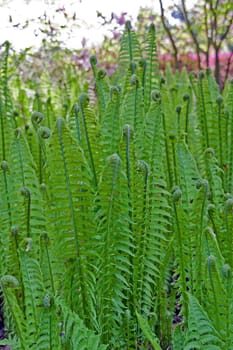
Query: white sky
85	11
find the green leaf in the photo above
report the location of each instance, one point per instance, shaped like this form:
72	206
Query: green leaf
148	332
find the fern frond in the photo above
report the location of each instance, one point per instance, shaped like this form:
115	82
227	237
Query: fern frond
148	332
89	134
157	212
49	333
75	335
114	247
129	49
8	285
151	70
110	126
132	112
200	333
102	87
71	219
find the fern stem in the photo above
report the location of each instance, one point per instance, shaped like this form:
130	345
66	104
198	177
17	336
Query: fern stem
107	253
18	135
204	184
227	275
186	98
4	167
134	81
178	111
210	262
203	114
2	134
127	130
76	110
219	102
229	226
142	239
26	193
174	159
45	239
167	154
128	28
176	196
82	100
143	65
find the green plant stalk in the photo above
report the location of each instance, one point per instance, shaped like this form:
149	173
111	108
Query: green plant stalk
169	177
7	194
20	156
142	247
76	110
128	173
230	160
226	151
227	274
2	133
178	122
81	100
187	121
229	234
48	102
143	65
203	114
107	238
28	215
220	136
152	53
44	237
181	262
128	28
199	239
135	107
215	306
174	162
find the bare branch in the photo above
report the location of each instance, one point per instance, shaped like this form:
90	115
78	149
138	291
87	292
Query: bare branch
168	31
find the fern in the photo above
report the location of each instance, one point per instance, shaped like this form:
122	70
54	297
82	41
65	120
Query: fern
70	227
200	334
116	218
74	334
6	109
129	50
8	285
110	126
115	249
101	85
151	66
49	334
148	333
89	134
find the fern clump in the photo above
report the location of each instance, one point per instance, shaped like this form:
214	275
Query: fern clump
116	208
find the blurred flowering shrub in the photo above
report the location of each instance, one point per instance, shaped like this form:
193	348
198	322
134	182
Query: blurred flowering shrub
182	42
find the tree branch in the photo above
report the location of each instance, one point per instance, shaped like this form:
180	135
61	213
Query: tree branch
193	35
168	31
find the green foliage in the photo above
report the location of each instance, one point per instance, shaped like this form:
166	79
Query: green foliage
117	216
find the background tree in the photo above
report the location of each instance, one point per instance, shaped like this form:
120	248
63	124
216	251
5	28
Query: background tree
207	26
